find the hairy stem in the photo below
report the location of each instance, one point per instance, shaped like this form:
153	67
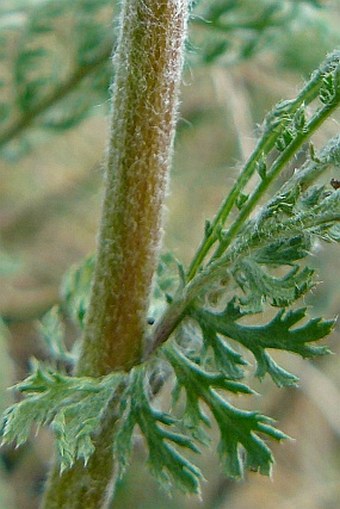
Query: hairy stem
148	65
148	68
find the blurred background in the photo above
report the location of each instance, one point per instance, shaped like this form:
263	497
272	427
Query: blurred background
242	57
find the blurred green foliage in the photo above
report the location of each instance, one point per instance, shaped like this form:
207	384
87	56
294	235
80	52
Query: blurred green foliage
280	36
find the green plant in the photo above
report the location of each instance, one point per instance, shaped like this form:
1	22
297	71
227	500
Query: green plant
206	316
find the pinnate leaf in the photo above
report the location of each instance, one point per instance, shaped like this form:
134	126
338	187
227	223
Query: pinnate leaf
166	463
280	333
239	429
72	406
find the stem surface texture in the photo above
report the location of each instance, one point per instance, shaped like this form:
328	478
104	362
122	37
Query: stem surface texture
147	67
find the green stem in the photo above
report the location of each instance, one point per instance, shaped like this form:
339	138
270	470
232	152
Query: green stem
148	65
277	167
273	129
217	269
253	238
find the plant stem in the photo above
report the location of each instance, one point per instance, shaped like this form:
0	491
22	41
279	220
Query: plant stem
273	129
218	268
318	119
148	69
148	66
250	239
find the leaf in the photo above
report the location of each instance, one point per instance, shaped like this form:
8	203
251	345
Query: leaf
227	360
168	278
52	331
166	463
75	425
284	251
277	334
214	50
90	35
72	406
242	199
260	286
238	428
68	115
75	290
247	27
6	366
